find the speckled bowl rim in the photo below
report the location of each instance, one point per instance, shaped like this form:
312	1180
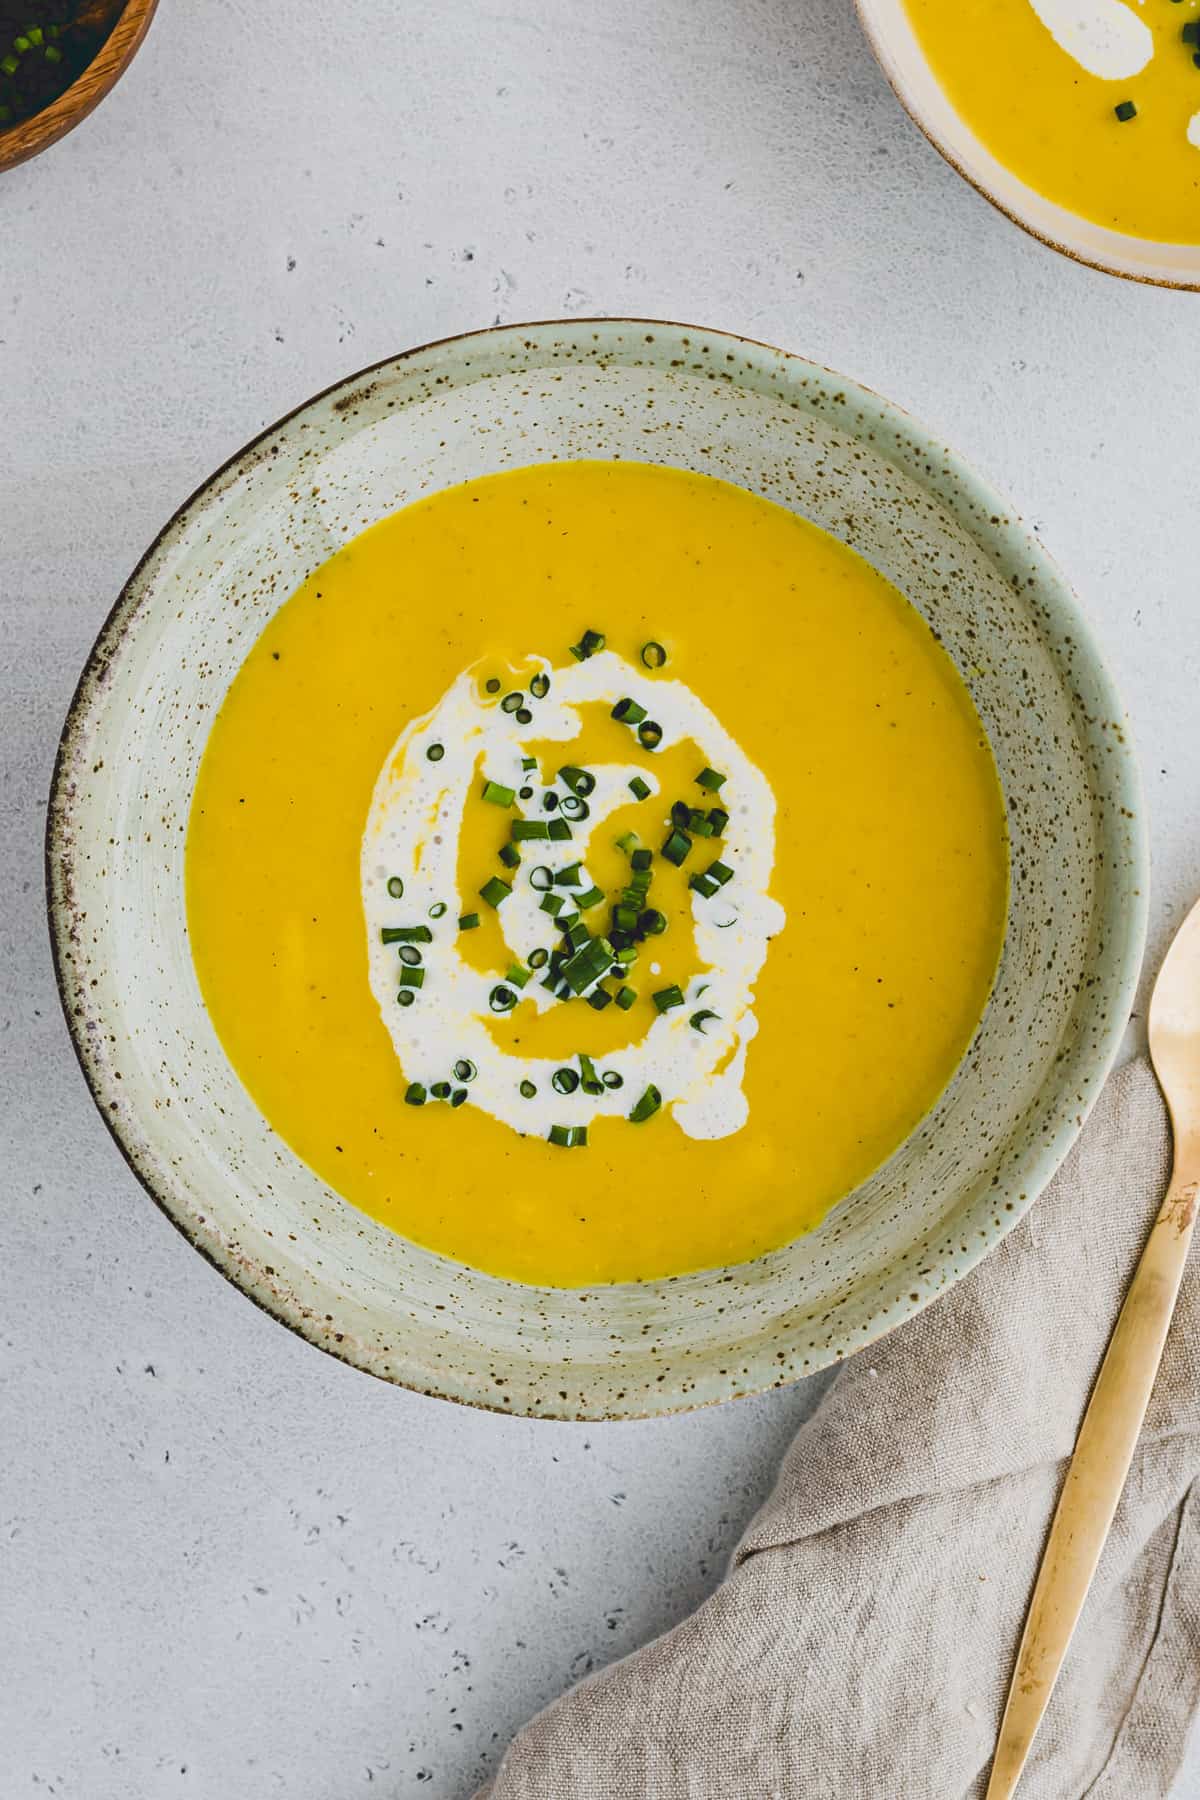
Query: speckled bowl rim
957	484
882	51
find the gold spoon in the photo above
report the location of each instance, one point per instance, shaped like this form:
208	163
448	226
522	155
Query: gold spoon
1113	1419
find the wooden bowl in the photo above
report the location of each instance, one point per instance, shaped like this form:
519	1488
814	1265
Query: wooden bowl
21	141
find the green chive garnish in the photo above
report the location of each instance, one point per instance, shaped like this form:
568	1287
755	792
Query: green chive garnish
523	716
414	1094
465	1070
435	753
410	955
512	703
589	1081
52	53
639	788
493	684
405	997
570	876
700	1019
708	778
538	958
458	1096
411	978
527	830
1125	111
406	934
468	921
667	997
495	891
502	999
498	794
510	856
587	964
705	885
575	935
569	1137
518	976
612	1079
647	1106
720	873
676	847
580	781
652	923
552	903
527	1090
649	734
653	655
541	878
599	999
395	888
560	831
626	997
628	712
573	807
440	1090
438	910
564	1081
641	860
539	686
588	645
590	897
718	818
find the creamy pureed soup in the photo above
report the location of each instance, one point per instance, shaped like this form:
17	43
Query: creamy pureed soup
1094	103
595	871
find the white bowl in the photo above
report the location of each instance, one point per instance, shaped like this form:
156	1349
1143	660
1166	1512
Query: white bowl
903	60
805	438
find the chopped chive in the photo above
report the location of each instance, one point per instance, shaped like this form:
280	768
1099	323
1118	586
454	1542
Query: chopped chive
528	762
564	1081
414	1094
624	955
639	788
681	814
628	712
541	878
438	910
527	1090
523	716
612	1079
10	64
573	806
667	997
528	830
599	999
676	847
411	978
653	655
512	703
502	999
492	685
575	934
498	794
570	876
626	997
518	976
35	36
700	1019
458	1096
580	781
552	903
652	923
718	818
628	842
708	778
495	891
395	888
435	753
440	1090
649	734
52	53
405	997
590	897
406	934
704	885
510	856
525	793
539	686
468	921
1125	111
560	831
642	859
588	645
720	873
549	802
464	1069
569	1137
589	1080
587	964
539	958
410	955
624	918
647	1106
619	938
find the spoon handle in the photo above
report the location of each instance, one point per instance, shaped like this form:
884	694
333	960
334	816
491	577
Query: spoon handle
1103	1451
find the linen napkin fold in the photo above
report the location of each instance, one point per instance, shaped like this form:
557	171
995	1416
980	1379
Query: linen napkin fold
861	1645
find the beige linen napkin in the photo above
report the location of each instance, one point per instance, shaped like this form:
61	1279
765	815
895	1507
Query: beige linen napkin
862	1641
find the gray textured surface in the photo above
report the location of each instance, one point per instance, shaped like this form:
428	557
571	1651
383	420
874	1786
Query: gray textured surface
228	1566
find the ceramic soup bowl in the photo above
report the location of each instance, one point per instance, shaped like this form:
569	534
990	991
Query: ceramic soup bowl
806	439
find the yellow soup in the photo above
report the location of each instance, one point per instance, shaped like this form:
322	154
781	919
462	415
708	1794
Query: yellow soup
1040	82
595	871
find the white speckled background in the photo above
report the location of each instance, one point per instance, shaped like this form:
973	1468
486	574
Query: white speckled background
229	1566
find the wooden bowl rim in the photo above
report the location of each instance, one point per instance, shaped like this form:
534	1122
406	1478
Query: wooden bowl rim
28	137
